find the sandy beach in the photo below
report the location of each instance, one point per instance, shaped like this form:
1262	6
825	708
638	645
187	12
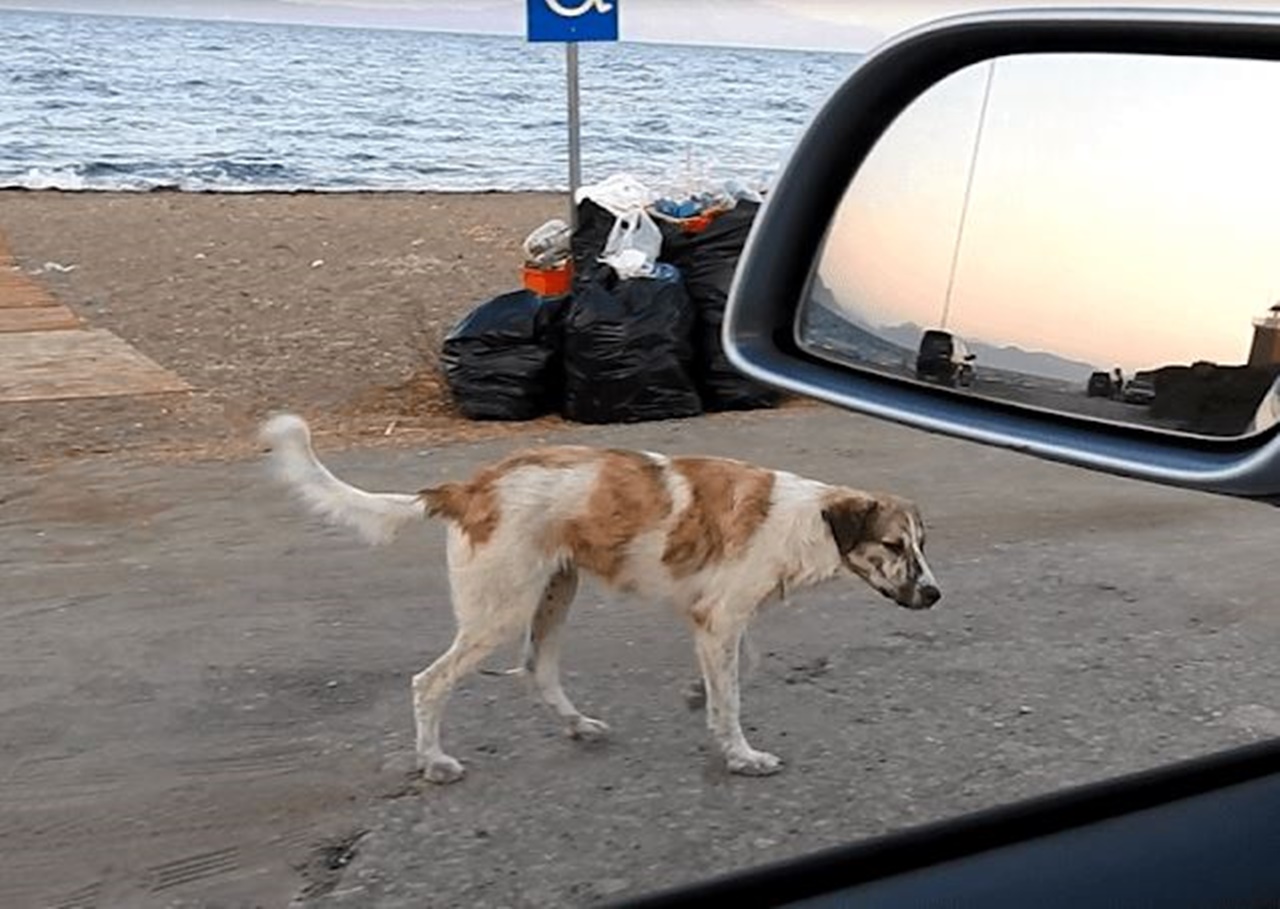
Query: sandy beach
333	305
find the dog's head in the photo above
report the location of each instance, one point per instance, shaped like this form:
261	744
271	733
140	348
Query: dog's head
880	538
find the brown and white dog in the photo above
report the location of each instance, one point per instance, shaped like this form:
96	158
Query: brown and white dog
714	537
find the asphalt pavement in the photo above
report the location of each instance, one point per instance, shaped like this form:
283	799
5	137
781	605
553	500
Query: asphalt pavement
204	694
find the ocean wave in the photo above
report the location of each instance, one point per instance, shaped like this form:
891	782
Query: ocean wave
124	177
417	178
74	178
362	170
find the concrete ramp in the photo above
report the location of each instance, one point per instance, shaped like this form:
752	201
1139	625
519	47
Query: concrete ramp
48	354
77	363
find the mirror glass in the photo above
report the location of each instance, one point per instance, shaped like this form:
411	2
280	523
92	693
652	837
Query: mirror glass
1092	234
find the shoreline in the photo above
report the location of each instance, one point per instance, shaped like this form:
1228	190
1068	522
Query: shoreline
267	191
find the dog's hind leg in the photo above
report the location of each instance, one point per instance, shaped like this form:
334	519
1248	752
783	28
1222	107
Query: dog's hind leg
489	615
543	655
431	689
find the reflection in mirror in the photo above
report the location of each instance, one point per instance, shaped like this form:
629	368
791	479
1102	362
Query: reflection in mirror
1091	234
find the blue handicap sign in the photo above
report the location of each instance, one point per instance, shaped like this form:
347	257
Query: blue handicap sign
573	20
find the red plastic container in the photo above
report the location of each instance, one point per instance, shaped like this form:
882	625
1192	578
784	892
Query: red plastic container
549	282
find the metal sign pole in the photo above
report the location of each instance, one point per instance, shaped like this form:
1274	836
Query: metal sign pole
571	22
575	148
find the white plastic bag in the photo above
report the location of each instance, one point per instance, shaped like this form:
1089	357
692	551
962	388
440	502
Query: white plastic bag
634	245
741	192
620	194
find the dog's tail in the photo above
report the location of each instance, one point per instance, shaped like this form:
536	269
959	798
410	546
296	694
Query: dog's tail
377	517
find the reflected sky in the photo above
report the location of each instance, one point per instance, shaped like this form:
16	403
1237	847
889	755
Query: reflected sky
1124	210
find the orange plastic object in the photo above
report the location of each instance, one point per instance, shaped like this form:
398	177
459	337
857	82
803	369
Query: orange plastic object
549	282
695	225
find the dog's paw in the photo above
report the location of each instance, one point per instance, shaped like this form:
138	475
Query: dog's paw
585	729
695	695
754	763
442	769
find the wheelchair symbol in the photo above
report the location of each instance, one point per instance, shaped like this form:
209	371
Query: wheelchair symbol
586	6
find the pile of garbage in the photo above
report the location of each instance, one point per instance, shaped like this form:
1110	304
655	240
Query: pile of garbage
619	320
1213	400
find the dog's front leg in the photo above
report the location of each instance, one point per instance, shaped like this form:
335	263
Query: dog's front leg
718	645
695	693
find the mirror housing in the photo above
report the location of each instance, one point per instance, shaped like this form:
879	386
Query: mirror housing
778	265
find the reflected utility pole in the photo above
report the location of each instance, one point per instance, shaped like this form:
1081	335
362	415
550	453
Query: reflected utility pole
968	193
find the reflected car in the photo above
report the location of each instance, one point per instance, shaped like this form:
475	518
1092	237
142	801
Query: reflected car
1141	389
944	359
1101	385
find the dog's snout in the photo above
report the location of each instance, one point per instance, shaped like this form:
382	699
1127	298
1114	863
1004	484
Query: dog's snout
929	595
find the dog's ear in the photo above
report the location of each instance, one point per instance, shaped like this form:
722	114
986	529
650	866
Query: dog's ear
850	521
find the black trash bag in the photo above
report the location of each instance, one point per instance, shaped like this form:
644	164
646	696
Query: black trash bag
708	260
628	349
502	361
595	223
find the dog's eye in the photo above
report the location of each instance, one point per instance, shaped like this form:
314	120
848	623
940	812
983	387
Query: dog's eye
897	548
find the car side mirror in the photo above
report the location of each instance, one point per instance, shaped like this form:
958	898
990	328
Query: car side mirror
1071	192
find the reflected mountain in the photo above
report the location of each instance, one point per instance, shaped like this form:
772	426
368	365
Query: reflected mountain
823	327
894	347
